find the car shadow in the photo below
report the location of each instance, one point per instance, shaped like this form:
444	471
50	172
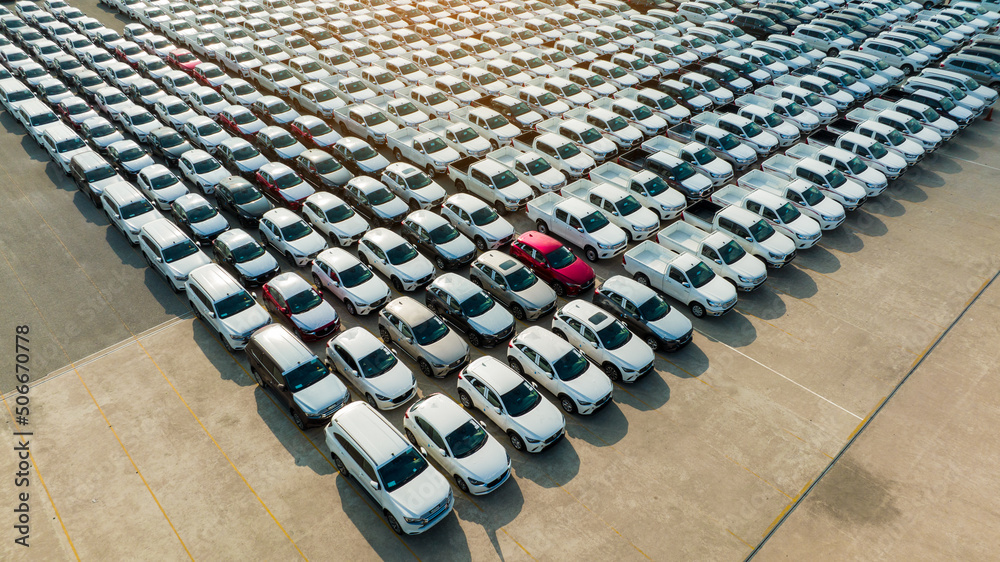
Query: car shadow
843	239
793	281
940	161
551	468
883	205
734	330
764	303
688	362
495	510
906	189
956	150
646	394
602	428
818	259
975	138
923	176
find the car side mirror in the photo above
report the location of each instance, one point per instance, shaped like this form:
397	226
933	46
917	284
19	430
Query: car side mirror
373	484
579	229
685	284
211	314
158	259
718	261
497	409
281	386
335	283
443	452
408	339
748	238
534	384
353	373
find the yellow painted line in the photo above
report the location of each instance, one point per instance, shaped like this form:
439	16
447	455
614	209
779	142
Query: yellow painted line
762	479
777	519
517	543
793	435
739	539
804	488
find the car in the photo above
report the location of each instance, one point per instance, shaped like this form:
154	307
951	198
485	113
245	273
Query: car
350	281
127	209
302	305
240	157
168	144
111	101
74	110
92	174
239	92
313	132
412	496
334	218
169	252
144	92
207	101
580	386
139	122
273	110
459	444
210	75
471	310
477	220
278	144
412	185
199	218
554	263
183	60
424	336
86	83
224	305
431	232
177	83
513	284
204	133
160	185
645	312
239	121
290	236
373	199
52	91
128	157
359	157
100	134
371	368
395	258
530	421
604	339
283	184
244	257
173	111
322	170
239	197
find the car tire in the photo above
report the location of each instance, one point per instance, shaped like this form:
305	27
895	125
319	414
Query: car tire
316	282
464	398
591	254
480	244
371	401
475	340
256	377
393	524
500	208
567	404
225	342
425	368
460	186
494	144
516	441
397	155
518	312
363	259
697	310
540	226
642	279
476	281
439	262
290	259
559	333
462	485
194	310
339	465
384	334
410	437
832	52
652	342
299	422
397	284
413	205
515	365
350	307
431	172
907	69
559	289
612	371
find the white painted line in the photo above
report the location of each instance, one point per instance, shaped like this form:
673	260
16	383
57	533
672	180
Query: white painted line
973	162
821	397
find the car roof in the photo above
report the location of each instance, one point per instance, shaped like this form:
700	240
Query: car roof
164	232
409	310
371	432
289	283
215	282
358	341
383	237
338	258
544	342
442	413
235	238
457	286
281	216
541	242
123	192
498	375
588	313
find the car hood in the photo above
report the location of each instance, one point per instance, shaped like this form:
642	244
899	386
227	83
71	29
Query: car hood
417	268
395	382
257	266
321	395
252	164
327	139
349	227
290	152
248	320
591	386
392	208
215	224
308	245
516	192
145	218
138	163
215	176
316	317
581	161
256	208
928	135
298	192
374	164
448	349
579	272
252	128
488	463
420	495
369	291
636	354
778	243
550	177
339	177
496	320
188	264
541	422
457	248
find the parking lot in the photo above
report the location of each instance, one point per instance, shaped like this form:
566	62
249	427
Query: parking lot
151	440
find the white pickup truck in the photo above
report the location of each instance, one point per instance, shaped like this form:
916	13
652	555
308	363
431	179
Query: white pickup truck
777	211
274	78
651	189
717	170
923	113
459	136
531	168
638	222
845	162
579	223
750	231
927	138
429	99
488	123
809	101
716	250
681	276
608	123
788	110
561	152
424	150
658	102
315	98
634	113
803	195
378	79
826	90
584	135
400	111
364	121
491	182
824	176
747	131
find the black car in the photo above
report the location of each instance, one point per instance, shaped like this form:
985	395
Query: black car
745	69
856	23
644	6
725	76
792	12
645	313
758	26
681	93
242	199
863	16
470	310
778	18
986	51
168	144
430	232
321	170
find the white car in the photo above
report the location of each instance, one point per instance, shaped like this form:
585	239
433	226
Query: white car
201	169
458	443
290	236
207	101
530	421
128	210
371	368
395	258
350	281
334	218
204	133
579	385
160	185
178	83
477	220
170	252
145	92
412	185
604	339
111	101
173	111
239	92
139	121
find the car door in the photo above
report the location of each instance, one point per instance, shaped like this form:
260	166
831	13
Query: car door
267	231
406	340
434	445
678	283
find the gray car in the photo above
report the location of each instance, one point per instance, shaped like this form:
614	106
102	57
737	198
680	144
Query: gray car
513	284
982	69
424	336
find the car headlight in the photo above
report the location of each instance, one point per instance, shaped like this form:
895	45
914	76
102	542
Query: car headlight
530	440
413	520
380	397
637	228
776	256
829	218
745	279
583	403
715	303
475	482
605	246
801	236
133	229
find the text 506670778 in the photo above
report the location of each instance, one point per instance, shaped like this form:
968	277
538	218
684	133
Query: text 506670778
22	374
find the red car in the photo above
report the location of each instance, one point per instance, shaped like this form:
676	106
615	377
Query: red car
302	305
128	52
183	59
313	132
209	74
239	121
283	184
553	263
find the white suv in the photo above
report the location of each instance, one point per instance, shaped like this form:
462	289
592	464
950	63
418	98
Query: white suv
372	368
224	305
604	339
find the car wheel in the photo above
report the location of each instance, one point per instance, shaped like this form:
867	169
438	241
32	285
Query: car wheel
363	259
298	420
425	368
474	339
516	365
559	288
256	377
832	52
612	371
516	441
559	333
907	69
384	334
518	311
225	342
439	262
500	208
494	144
641	279
350	308
410	437
460	482
371	401
397	284
463	397
540	226
194	309
697	310
460	186
393	524
652	342
316	282
339	465
591	253
413	205
480	244
431	172
291	260
476	281
397	155
567	404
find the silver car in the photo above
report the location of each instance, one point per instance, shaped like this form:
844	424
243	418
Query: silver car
513	284
424	336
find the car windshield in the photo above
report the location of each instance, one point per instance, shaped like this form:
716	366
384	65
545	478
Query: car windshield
401	254
247	252
761	231
365	153
571	366
538	166
477	305
102	131
772	120
510	71
947	104
520	400
813	196
135	209
617	124
913	126
787	213
615	334
752	130
812	100
177	109
430	331
296	230
179	251
628	205
131	153
377	363
896	138
466	439
401	469
594	221
304	301
700	274
142	118
209	129
443	234
115	99
504	179
162	181
561	257
704	156
655	307
590	136
930	115
234	304
244	117
383	78
732	252
306	375
102	173
207	165
521	279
